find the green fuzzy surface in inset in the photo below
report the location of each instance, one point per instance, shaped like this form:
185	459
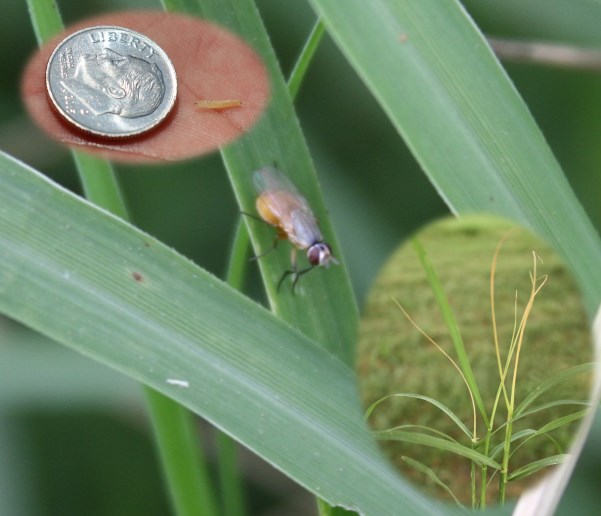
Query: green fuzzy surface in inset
394	357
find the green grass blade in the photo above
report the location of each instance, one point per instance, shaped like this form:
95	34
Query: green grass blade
561	421
100	183
552	425
441	406
186	475
550	383
324	307
514	437
426	429
230	481
451	323
540	408
552	404
45	18
436	442
153	315
302	64
530	433
430	473
536	466
231	487
442	88
238	264
177	436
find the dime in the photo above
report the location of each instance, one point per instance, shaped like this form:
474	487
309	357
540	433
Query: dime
111	81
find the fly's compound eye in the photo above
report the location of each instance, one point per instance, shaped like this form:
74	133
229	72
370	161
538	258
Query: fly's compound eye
320	254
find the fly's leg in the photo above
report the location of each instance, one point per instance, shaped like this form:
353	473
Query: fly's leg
296	274
292	271
275	240
284	276
272	248
252	216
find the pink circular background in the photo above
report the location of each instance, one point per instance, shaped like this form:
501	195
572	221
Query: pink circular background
211	64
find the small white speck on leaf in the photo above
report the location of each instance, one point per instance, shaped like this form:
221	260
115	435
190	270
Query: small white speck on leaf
180	383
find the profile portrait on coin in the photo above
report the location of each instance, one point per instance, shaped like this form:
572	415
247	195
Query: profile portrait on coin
114	83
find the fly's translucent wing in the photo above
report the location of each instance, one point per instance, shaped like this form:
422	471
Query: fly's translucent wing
269	179
305	231
292	210
280	193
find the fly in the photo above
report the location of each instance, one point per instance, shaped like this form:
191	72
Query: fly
282	206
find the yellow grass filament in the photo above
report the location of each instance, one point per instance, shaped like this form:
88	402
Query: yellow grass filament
474	437
533	292
493	270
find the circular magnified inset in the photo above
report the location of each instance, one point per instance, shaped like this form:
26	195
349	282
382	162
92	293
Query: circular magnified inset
111	81
112	92
474	359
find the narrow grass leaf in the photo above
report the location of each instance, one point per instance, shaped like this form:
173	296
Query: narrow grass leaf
446	410
521	435
176	431
431	474
302	64
451	324
324	307
562	421
550	383
424	428
536	466
552	404
530	433
100	184
496	451
435	442
46	19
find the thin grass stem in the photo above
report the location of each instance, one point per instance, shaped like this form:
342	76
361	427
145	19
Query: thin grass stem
230	483
493	270
517	344
185	472
237	270
473	482
304	59
45	19
187	476
501	389
451	323
100	183
455	365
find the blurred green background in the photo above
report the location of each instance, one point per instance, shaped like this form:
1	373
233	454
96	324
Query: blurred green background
73	435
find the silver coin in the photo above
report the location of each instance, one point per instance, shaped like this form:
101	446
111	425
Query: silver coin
111	81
